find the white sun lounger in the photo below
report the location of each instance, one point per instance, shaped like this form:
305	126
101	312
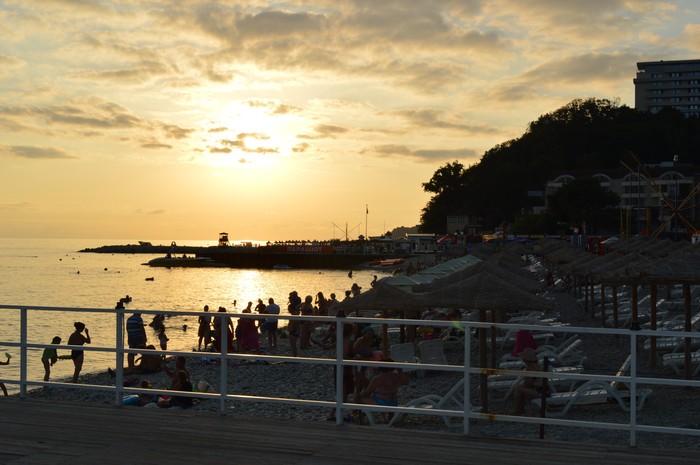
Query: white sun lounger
452	400
502	387
592	392
676	361
595	392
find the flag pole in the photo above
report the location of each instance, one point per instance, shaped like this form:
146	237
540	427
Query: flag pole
366	213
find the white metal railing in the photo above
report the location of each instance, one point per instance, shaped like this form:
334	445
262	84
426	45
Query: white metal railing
467	370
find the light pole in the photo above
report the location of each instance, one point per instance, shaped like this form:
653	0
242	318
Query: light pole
675	200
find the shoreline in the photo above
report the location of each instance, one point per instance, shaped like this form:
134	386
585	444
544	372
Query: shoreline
315	382
667	406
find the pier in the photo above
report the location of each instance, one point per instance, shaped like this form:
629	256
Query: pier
39	432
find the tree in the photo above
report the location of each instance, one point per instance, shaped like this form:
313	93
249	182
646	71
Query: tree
447	184
583	201
586	134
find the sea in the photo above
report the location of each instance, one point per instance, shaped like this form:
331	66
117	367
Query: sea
52	272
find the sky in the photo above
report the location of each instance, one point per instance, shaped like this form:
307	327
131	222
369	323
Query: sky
276	120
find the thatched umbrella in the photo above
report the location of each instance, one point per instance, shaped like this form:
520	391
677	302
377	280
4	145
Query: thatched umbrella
526	282
384	297
484	291
381	297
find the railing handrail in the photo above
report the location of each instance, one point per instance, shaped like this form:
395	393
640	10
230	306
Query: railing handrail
631	379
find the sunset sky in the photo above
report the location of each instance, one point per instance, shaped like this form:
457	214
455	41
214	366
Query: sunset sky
149	119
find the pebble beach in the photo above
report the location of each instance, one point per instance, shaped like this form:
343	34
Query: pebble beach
666	406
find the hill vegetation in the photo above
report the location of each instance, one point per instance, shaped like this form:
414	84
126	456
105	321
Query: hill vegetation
590	134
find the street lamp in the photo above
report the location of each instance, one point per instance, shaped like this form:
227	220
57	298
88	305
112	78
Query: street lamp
675	201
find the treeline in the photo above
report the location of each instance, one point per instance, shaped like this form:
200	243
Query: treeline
590	134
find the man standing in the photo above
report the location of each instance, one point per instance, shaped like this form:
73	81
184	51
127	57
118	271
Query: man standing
136	336
332	310
271	324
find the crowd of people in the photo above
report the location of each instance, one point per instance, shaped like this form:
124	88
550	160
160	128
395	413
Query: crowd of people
215	329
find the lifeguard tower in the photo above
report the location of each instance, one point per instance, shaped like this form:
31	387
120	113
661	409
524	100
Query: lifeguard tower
223	240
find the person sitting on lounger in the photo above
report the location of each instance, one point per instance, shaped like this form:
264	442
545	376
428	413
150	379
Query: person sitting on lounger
530	387
523	340
383	388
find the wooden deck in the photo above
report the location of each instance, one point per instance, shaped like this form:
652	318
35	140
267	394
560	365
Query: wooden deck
38	432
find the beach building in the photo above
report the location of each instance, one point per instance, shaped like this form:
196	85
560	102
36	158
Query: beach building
661	84
648	196
422	243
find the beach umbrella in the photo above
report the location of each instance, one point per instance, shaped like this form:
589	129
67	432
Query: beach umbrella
384	297
527	282
483	291
381	297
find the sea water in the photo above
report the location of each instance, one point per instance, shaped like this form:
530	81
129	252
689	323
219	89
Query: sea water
51	272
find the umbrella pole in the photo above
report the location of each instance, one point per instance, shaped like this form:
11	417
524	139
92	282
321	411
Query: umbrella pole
385	336
494	346
483	380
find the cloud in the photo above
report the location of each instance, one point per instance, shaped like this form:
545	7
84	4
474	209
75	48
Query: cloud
243	143
414	45
578	72
35	153
423	156
274	107
159	211
691	37
155	145
16	206
8	64
325	131
301	148
436	119
90	118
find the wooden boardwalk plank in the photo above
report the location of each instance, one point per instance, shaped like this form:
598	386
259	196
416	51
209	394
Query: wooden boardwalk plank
38	432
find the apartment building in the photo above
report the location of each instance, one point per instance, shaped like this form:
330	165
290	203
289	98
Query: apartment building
674	84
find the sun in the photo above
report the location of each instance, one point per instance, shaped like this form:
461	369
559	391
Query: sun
250	131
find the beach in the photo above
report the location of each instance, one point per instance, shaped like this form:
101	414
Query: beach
669	406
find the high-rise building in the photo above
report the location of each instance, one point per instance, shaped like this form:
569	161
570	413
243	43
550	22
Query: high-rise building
674	84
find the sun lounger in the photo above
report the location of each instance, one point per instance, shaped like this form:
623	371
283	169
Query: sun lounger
673	343
567	357
502	387
592	392
405	353
676	361
509	338
595	392
452	400
670	344
432	352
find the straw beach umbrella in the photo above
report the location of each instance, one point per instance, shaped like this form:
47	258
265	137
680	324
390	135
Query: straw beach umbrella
483	292
384	297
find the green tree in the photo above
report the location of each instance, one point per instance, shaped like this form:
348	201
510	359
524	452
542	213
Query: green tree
590	134
583	201
447	185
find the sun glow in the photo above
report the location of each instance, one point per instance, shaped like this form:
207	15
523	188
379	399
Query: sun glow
250	132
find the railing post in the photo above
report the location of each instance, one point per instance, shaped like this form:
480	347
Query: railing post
467	375
223	363
23	354
119	359
339	354
633	389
